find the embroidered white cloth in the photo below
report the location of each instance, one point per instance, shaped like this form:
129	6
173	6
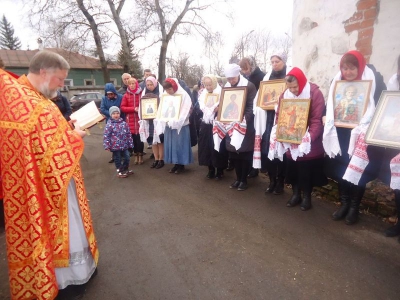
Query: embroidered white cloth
330	139
144	130
393	83
359	160
276	148
159	128
207	109
260	124
395	172
236	130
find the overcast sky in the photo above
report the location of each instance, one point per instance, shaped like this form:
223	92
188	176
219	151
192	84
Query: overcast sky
275	16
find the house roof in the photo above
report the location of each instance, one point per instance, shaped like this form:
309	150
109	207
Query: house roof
21	59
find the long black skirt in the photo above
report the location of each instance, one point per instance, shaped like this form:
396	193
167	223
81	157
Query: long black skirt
306	173
336	167
206	153
385	173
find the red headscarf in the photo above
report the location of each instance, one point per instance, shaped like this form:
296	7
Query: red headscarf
137	87
361	62
173	83
300	77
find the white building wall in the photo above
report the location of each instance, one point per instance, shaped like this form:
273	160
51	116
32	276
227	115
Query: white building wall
320	40
386	39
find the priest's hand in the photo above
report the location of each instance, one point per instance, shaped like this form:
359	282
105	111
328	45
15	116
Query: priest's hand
77	128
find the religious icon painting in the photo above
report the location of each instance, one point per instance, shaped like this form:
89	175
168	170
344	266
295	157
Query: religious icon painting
170	106
211	99
232	103
384	128
350	101
148	108
292	121
269	93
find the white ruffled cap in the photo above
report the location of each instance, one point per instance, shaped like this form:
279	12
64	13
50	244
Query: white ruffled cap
232	70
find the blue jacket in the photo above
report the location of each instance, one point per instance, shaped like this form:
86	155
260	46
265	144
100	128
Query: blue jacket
107	103
117	135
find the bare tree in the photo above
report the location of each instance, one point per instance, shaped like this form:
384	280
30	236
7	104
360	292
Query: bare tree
97	39
125	43
255	43
87	20
261	45
284	43
171	19
212	46
182	69
241	48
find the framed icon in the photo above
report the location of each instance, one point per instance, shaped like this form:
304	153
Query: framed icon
148	108
269	93
292	121
170	106
384	128
211	99
232	103
350	102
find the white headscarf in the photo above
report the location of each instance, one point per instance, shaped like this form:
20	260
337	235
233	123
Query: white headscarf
232	70
208	112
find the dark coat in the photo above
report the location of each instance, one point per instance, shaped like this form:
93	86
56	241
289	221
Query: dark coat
122	90
256	77
248	141
64	106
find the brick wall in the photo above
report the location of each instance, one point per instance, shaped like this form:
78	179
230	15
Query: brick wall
363	21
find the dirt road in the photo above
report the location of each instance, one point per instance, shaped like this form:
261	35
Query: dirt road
168	236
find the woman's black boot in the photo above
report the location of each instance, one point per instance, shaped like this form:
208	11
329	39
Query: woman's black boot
272	184
355	200
296	197
344	197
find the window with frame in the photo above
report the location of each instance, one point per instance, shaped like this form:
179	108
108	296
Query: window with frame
68	82
89	82
113	81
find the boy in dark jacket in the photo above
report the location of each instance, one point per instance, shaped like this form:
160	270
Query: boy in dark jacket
118	139
110	98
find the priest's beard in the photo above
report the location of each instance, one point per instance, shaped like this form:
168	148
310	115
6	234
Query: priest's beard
46	91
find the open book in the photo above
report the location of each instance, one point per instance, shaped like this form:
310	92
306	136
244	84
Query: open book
87	116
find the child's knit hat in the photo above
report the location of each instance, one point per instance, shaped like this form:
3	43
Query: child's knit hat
113	109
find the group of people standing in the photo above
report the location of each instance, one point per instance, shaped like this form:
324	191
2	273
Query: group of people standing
63	251
326	151
170	138
250	144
